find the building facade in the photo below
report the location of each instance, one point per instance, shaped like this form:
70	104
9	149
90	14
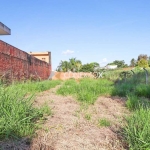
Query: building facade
44	56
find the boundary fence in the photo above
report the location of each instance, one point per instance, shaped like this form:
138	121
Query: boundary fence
16	64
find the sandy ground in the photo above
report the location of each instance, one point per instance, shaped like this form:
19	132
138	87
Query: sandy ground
75	126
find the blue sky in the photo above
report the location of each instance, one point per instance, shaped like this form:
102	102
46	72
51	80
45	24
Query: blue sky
90	30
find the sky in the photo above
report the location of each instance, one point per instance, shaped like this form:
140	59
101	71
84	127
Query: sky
89	30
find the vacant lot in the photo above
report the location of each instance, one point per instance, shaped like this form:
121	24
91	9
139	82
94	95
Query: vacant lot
85	114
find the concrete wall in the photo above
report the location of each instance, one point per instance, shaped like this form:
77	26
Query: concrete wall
69	75
16	64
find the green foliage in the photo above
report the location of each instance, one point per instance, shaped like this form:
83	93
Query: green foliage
112	74
33	87
132	62
72	65
104	122
89	67
18	117
132	102
143	63
119	63
137	130
149	63
134	84
87	90
143	90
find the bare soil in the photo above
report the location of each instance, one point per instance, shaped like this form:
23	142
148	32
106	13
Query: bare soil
75	126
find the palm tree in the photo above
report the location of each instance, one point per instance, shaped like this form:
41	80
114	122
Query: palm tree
72	65
78	64
64	66
72	62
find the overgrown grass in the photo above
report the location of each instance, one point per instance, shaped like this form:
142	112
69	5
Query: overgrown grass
18	117
34	87
137	129
112	74
87	90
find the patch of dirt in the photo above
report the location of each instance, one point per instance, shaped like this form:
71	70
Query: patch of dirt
69	129
74	126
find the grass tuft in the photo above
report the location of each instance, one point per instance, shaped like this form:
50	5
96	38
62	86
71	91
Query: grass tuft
104	122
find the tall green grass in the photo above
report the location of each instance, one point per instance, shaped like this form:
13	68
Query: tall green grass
34	87
87	90
112	74
137	129
18	117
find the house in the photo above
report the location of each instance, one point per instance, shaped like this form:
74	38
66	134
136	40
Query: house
111	67
44	56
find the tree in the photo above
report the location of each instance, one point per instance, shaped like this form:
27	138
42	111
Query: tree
143	60
142	56
143	63
78	65
119	63
63	66
149	61
71	65
89	67
133	62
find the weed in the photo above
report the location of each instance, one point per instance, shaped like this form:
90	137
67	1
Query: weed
104	122
88	116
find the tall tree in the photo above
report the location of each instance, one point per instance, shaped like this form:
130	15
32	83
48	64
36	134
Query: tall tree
72	62
133	62
63	66
142	60
72	65
143	63
142	56
78	65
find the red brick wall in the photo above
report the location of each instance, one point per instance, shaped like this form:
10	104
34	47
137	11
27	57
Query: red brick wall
16	64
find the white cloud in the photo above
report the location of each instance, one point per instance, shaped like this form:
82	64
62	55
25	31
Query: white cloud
67	52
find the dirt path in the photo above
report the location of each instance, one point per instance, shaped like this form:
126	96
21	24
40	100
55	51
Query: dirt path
76	127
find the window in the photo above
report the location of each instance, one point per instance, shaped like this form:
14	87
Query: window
43	59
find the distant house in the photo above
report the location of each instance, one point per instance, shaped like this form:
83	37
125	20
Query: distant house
4	30
44	56
111	67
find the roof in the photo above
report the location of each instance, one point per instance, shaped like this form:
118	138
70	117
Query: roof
4	30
